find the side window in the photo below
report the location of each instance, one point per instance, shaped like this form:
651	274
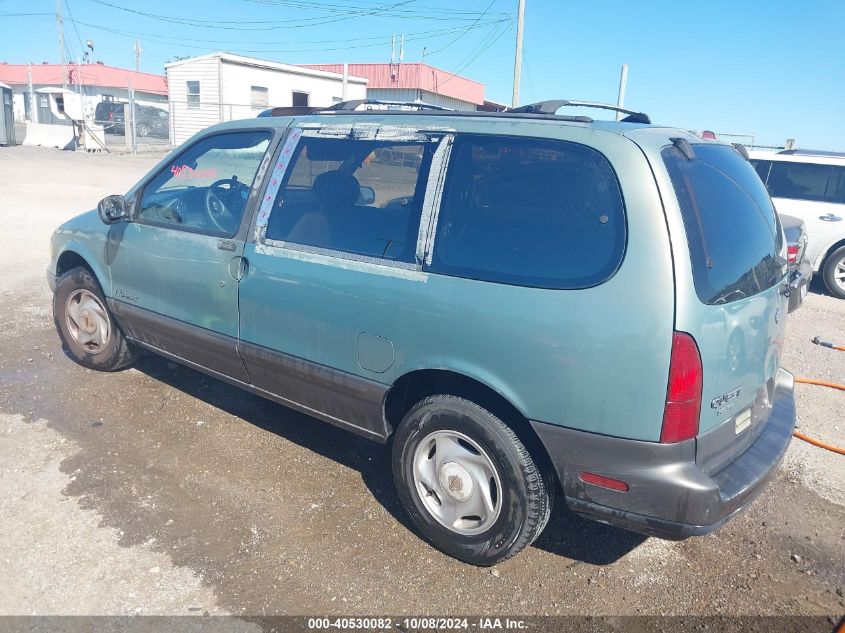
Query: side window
207	186
799	181
362	197
192	89
529	212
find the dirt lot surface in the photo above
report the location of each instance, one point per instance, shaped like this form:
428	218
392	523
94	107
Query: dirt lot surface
159	490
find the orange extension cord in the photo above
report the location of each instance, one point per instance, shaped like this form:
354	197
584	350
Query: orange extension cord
821	383
812	440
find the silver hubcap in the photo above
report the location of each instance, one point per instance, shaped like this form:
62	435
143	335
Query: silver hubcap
87	321
839	273
457	482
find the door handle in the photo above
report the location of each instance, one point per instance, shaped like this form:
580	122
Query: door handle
238	267
830	218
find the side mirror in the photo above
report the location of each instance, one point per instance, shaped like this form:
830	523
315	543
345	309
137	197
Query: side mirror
366	195
112	209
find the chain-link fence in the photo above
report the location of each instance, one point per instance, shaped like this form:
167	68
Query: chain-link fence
132	125
140	126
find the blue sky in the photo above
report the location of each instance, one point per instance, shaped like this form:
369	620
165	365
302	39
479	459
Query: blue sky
771	68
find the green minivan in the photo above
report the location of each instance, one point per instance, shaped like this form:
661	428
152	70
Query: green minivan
519	304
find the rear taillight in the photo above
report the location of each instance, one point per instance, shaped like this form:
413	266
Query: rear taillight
792	253
683	396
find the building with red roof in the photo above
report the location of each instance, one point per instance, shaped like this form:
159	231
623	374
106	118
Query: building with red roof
97	82
415	82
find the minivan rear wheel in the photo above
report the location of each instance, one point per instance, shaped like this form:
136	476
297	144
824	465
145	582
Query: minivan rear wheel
467	481
834	272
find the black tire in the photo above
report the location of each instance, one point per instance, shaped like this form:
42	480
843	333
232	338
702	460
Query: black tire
835	259
143	129
525	495
116	353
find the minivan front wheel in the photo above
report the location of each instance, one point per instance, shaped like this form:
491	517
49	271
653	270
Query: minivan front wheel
834	273
467	481
86	326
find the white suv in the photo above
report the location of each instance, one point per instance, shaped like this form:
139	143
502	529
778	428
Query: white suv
811	186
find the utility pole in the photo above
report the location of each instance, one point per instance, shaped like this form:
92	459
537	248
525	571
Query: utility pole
137	56
61	26
623	81
517	62
401	57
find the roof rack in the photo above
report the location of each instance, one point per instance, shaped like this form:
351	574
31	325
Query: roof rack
378	104
288	111
553	105
365	105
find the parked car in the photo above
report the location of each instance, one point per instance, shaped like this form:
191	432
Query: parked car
795	233
811	186
537	302
150	121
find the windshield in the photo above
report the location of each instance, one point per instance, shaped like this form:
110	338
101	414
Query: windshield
733	232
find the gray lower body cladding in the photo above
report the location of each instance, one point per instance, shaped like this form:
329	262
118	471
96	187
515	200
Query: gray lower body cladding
669	495
332	395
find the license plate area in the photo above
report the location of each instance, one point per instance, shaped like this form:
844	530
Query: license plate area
742	421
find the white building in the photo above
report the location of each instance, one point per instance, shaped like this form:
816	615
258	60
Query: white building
96	82
221	87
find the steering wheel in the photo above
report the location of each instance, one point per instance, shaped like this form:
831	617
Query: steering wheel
220	216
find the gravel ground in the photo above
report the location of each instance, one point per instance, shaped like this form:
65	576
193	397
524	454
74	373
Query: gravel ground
159	490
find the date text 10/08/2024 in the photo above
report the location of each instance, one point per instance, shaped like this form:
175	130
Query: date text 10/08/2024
416	623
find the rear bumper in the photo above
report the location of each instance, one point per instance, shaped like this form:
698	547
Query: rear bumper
51	280
669	495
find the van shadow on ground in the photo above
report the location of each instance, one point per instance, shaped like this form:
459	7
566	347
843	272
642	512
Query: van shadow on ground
566	535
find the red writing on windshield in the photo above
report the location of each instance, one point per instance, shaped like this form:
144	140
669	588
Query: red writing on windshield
189	173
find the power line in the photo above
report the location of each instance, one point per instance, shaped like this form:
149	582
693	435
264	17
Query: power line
471	26
341	44
481	50
380	40
281	24
426	11
527	65
72	21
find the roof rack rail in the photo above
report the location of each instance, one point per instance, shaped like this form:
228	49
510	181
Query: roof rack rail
551	106
378	104
288	111
352	106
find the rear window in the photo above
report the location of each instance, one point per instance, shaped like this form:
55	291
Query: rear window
529	212
733	231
